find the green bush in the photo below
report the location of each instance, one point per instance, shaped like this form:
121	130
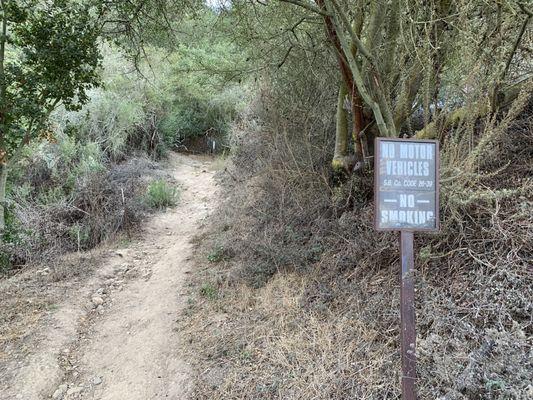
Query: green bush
115	112
217	254
209	291
190	114
52	172
150	114
81	235
160	194
12	237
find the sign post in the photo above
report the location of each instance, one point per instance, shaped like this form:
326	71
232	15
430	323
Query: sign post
407	316
406	191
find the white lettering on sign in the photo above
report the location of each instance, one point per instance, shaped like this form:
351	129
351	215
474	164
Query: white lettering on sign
416	151
407	200
409	168
406	183
387	149
406	217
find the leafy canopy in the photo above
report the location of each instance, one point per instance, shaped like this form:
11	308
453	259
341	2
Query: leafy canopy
51	57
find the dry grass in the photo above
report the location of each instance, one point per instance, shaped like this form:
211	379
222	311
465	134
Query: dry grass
101	205
31	296
305	302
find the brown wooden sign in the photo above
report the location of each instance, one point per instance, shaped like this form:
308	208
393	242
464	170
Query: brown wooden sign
406	199
406	184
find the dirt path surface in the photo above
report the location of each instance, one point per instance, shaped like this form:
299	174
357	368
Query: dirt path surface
115	338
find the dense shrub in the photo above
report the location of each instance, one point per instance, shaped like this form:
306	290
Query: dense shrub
61	190
71	200
160	194
121	116
193	115
159	110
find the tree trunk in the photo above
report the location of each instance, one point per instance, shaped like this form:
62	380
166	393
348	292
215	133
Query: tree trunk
3	183
357	109
340	22
340	158
332	36
446	121
3	39
357	125
3	133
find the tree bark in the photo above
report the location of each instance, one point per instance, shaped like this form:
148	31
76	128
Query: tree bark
333	38
340	22
3	151
477	110
340	158
3	39
357	105
357	127
3	184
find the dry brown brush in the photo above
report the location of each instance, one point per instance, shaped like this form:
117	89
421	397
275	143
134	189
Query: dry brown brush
99	205
298	296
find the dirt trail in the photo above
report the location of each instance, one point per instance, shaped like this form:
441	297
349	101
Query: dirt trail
116	338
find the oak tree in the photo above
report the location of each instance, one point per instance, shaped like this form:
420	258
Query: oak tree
48	56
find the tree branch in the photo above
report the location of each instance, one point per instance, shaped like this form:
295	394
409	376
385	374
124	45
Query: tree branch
307	6
3	89
357	76
355	39
515	46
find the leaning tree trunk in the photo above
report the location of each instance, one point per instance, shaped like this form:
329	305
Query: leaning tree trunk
340	158
3	154
3	183
357	128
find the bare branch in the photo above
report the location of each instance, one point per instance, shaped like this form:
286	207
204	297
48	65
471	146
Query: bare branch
344	18
358	78
307	6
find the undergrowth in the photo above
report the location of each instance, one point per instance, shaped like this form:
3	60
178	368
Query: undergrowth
160	194
309	292
94	174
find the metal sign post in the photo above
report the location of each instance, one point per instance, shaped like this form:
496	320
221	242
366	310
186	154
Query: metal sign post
407	316
406	192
